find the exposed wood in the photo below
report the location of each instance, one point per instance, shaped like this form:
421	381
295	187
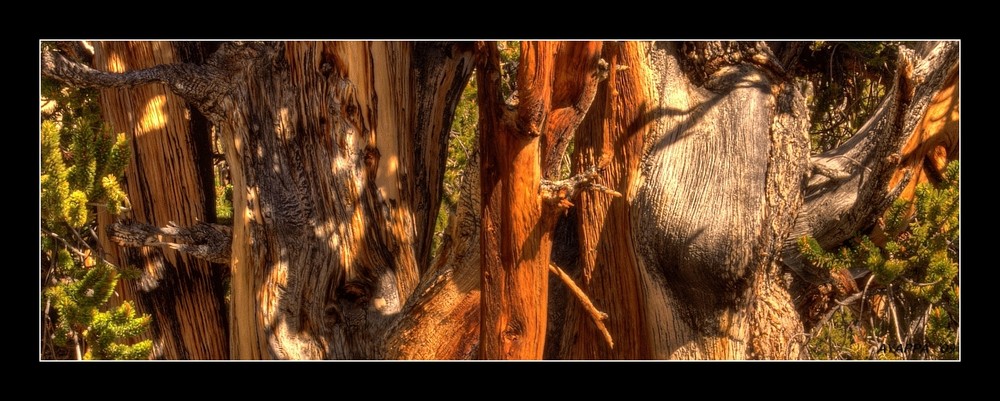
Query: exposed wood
325	235
934	141
611	137
335	151
184	295
719	190
556	82
514	283
441	320
708	155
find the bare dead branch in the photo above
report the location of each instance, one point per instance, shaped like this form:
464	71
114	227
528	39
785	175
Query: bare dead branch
211	242
203	85
83	255
850	188
596	315
558	193
72	248
57	66
895	319
829	314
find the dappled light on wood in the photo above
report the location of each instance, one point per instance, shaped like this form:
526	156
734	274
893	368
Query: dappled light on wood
181	292
624	200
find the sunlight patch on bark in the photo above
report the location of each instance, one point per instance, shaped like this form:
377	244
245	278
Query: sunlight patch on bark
154	116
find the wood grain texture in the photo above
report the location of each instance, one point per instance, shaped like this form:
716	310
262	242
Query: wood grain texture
709	161
514	283
611	136
184	295
441	321
934	141
332	147
516	146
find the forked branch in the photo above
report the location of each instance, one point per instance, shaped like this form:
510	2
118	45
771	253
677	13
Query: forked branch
849	187
558	193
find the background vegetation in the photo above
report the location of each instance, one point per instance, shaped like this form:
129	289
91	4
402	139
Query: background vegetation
80	170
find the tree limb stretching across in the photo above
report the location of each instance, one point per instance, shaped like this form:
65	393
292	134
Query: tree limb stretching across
596	315
205	86
57	66
211	242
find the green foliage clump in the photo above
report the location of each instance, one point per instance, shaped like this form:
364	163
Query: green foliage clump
914	275
223	202
85	170
81	169
78	301
510	56
839	339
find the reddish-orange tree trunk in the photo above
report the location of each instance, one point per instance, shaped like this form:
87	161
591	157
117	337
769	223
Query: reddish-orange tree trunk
556	83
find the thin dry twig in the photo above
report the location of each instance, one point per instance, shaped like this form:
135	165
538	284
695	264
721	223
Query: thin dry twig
863	296
48	328
597	316
829	314
76	346
895	319
65	243
76	250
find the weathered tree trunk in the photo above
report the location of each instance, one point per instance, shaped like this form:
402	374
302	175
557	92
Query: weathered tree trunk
336	152
168	179
709	154
556	83
708	142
